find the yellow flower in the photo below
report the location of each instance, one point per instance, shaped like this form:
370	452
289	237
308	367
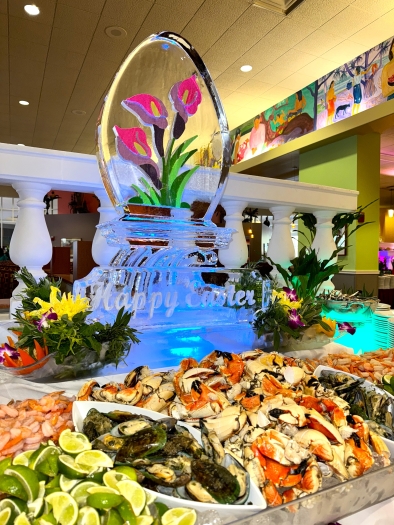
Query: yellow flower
331	323
66	305
285	301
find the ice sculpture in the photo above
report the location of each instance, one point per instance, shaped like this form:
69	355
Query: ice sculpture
163	149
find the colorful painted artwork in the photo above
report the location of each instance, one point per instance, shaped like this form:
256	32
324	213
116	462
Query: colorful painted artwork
364	82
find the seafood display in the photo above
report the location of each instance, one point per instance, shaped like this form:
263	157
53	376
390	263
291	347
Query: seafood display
168	458
345	303
267	411
372	366
374	406
24	425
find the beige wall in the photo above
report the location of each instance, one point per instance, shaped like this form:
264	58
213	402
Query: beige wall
7	191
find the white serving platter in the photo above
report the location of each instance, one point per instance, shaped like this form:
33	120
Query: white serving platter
368	387
255	504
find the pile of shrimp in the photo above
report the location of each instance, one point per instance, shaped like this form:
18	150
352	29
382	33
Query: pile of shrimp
26	424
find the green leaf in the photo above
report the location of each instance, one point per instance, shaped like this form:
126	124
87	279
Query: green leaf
143	196
135	200
179	184
178	165
155	197
178	152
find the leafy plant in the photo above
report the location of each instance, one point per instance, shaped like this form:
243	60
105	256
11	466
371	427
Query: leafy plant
40	289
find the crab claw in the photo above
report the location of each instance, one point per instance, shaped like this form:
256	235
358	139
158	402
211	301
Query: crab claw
227	423
358	457
317	422
337	464
131	395
271	494
312	480
86	390
316	442
380	447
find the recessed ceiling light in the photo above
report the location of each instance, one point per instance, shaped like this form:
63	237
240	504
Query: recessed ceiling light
245	69
78	112
24	102
20	144
32	9
116	32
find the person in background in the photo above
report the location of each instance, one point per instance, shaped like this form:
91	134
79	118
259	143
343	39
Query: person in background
4	254
299	105
331	98
357	92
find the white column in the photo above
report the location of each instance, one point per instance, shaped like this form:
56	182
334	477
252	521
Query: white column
236	254
323	242
281	248
102	252
30	243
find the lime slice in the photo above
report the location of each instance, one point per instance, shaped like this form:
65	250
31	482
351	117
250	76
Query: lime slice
94	458
67	484
55	482
5	516
70	469
65	508
150	498
45	519
41	489
179	516
112	517
16	505
23	458
144	520
103	490
12	486
103	500
88	516
27	477
161	508
386	379
74	442
80	492
130	472
392	382
112	477
36	507
22	519
46	461
126	512
134	494
97	475
388	389
4	464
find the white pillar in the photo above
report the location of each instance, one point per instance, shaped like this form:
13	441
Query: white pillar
30	243
236	254
281	248
323	242
102	252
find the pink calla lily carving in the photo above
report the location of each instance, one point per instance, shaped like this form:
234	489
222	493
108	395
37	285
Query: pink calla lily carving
132	146
150	110
186	97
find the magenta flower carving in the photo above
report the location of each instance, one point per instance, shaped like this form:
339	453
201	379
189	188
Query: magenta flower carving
185	97
132	145
347	327
290	294
43	322
295	321
149	110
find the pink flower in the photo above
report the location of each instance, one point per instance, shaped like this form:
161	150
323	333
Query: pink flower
290	294
132	146
43	322
347	327
186	97
149	110
14	354
294	321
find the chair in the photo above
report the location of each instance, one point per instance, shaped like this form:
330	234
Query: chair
7	281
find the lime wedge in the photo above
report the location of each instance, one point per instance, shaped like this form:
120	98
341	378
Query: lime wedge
67	484
179	516
144	520
102	490
80	491
130	472
4	464
103	500
23	458
112	477
27	477
126	512
41	489
22	519
134	494
74	442
5	516
112	517
71	469
12	486
36	507
45	519
88	516
65	508
94	458
386	379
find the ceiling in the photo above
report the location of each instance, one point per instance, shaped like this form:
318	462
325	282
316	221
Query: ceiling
62	60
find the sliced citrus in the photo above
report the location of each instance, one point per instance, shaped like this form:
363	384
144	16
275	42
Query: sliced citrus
126	512
4	464
12	486
144	520
134	494
112	517
45	519
5	516
88	516
97	474
71	469
65	508
22	519
23	458
36	507
67	484
74	442
80	491
103	500
103	490
94	458
179	516
27	477
130	472
41	489
161	508
112	477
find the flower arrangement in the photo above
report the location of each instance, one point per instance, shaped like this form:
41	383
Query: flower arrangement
56	324
161	183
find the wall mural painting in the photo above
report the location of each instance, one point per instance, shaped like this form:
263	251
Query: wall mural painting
364	82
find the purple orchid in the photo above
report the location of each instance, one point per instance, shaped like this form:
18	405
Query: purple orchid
14	354
295	321
290	294
185	97
50	315
132	146
347	327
